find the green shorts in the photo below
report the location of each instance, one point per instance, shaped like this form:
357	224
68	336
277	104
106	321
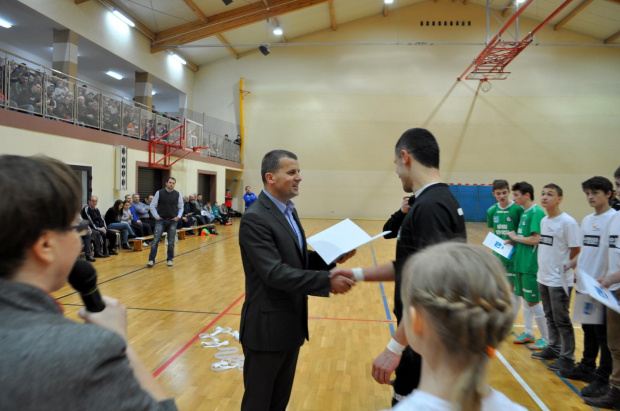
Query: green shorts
526	286
511	278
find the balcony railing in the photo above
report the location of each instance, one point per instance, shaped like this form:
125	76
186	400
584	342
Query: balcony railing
31	88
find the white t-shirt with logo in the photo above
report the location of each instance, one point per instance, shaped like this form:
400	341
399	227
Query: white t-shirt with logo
420	400
557	236
613	235
593	257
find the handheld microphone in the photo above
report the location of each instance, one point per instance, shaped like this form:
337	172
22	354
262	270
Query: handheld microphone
83	278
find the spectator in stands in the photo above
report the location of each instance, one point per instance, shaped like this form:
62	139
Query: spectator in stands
148	200
30	98
139	229
87	241
192	209
65	109
142	212
18	84
238	140
82	110
93	215
218	216
207	212
225	213
113	219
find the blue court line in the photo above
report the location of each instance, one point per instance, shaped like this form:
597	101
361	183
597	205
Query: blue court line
564	380
387	308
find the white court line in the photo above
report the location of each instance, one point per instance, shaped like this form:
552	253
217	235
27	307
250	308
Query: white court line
522	382
576	327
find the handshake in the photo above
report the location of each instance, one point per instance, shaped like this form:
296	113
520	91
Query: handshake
342	279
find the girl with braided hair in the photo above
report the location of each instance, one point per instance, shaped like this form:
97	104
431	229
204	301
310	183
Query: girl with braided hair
456	311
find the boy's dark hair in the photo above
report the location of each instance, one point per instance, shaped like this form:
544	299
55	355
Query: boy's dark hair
41	194
557	189
598	183
617	173
524	188
499	184
271	162
422	145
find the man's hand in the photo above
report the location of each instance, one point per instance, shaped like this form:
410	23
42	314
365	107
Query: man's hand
113	317
340	284
177	219
345	257
384	366
405	205
102	230
139	221
345	272
512	235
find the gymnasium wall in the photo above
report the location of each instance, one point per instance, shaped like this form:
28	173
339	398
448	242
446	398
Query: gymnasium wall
342	108
101	157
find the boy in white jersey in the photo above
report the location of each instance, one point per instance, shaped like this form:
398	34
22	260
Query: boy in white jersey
592	261
559	244
611	399
502	218
526	264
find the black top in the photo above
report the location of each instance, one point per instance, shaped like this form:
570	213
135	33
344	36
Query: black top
434	217
168	203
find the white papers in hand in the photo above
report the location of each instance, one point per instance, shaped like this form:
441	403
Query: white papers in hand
496	244
600	294
339	239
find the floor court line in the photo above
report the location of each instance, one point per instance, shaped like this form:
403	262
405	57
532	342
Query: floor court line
526	387
190	342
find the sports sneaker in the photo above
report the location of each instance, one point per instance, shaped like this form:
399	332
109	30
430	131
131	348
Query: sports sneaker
170	263
560	364
546	354
145	244
611	399
150	263
597	388
523	338
581	372
540	344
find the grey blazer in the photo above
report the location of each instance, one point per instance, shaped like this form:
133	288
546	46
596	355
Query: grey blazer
48	362
279	276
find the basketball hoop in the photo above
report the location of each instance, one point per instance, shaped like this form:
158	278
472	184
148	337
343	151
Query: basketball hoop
485	85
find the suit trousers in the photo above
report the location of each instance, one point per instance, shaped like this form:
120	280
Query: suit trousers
268	379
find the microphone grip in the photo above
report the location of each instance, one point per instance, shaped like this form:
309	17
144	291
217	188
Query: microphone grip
93	301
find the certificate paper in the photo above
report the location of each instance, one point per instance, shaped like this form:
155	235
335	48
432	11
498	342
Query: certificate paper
339	239
496	244
600	294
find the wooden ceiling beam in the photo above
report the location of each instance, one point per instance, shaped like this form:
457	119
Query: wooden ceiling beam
139	25
572	14
228	20
196	10
613	38
80	1
614	1
332	14
230	49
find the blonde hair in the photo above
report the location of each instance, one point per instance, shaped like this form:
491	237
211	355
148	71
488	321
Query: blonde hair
463	292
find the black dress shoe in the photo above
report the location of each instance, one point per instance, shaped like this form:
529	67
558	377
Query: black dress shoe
113	252
101	255
90	258
126	247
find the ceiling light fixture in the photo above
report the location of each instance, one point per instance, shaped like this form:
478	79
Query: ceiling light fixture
114	75
153	93
123	18
278	31
388	1
227	2
520	1
5	24
179	58
265	50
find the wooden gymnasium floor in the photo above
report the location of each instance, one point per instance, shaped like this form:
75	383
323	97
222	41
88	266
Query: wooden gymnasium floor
169	306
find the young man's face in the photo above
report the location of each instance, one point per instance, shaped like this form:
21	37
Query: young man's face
501	195
402	172
519	198
549	198
247	190
597	198
618	187
170	184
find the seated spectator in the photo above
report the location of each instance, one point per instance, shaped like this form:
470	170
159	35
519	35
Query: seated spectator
138	227
93	215
207	212
186	220
82	110
142	212
216	212
86	240
113	220
192	210
29	99
225	213
48	361
18	84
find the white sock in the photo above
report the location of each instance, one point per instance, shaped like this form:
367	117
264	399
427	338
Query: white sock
516	306
541	321
528	319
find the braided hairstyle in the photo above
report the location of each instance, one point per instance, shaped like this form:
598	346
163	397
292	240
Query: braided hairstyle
463	292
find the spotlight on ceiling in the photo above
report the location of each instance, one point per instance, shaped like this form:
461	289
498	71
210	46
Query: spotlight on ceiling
264	50
278	31
388	1
227	2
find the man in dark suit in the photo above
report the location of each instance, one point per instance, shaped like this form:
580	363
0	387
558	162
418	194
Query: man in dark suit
280	273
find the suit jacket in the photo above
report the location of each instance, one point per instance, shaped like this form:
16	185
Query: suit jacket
279	276
52	363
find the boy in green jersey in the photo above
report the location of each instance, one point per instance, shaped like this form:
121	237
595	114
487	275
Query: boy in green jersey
525	261
502	218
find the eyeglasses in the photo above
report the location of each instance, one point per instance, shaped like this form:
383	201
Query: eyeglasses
81	227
